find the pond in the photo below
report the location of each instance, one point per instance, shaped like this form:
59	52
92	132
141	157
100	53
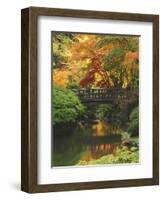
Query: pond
84	142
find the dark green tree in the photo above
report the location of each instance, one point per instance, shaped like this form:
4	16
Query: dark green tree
66	106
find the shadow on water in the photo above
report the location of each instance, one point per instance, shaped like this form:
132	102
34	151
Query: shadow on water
84	142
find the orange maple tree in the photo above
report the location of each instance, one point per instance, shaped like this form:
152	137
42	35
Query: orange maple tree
111	64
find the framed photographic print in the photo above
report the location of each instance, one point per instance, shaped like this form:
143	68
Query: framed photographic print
90	99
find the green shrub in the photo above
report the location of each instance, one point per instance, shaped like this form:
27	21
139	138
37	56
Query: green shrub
122	155
133	128
103	111
125	136
66	106
109	112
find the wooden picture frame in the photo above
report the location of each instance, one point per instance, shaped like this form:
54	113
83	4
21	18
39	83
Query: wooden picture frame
29	112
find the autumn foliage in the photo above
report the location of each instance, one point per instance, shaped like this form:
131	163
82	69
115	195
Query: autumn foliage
95	61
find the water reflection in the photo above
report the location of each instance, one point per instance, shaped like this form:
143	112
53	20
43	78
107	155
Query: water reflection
84	142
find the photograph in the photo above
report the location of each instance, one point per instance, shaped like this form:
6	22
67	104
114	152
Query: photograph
89	99
95	99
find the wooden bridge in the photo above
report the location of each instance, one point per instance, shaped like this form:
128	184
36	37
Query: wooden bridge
103	94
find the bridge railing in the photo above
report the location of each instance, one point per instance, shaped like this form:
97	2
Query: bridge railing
109	94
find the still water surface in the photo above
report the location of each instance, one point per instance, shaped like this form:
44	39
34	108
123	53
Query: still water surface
84	142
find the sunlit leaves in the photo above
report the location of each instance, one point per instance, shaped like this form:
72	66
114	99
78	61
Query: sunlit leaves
113	59
61	43
87	60
61	77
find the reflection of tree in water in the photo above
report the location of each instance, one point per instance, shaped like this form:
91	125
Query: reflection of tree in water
102	128
95	135
96	141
